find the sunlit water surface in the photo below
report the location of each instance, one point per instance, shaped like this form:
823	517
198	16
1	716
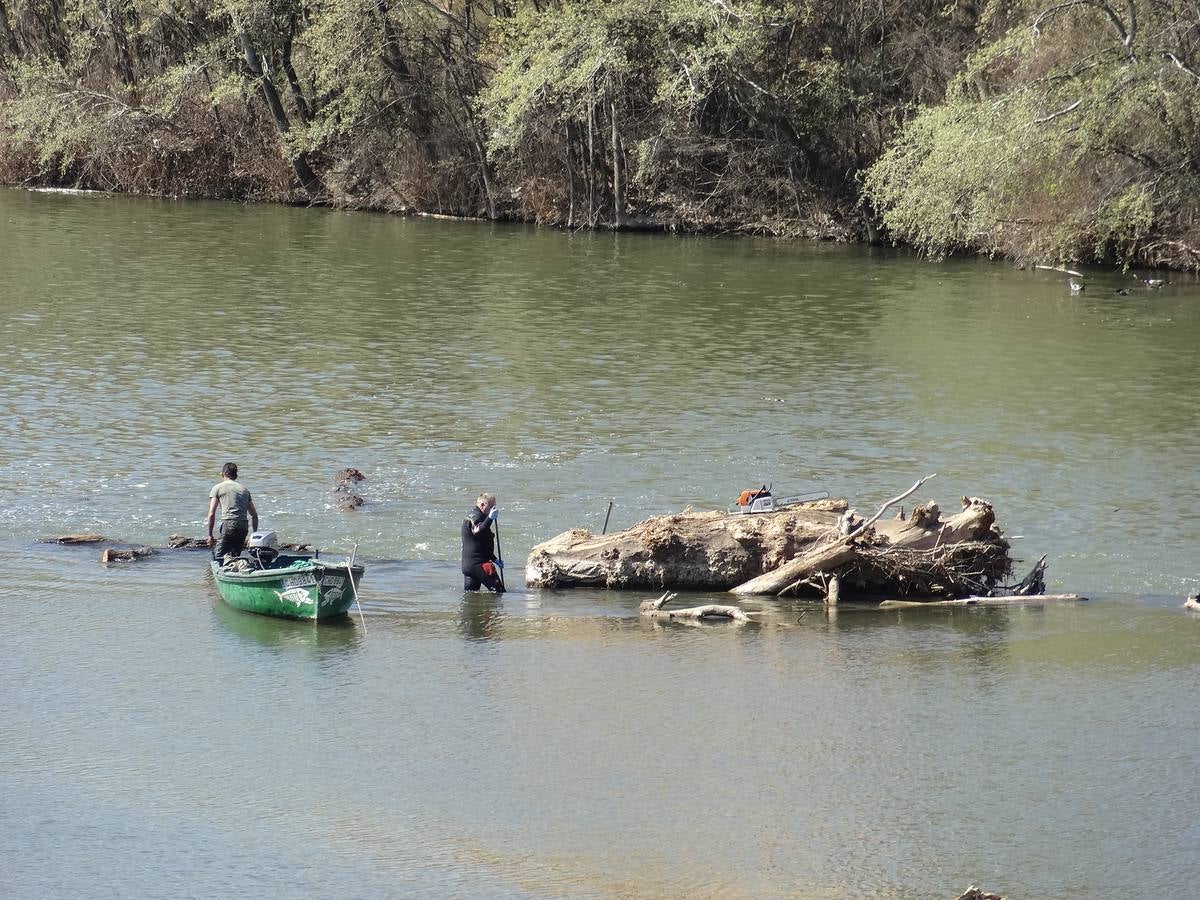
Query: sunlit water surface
155	742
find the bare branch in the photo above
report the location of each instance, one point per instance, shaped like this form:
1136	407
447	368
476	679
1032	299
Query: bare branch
1060	269
1175	59
1062	112
875	518
1125	35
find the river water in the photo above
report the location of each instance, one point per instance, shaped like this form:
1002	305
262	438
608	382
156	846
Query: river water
157	743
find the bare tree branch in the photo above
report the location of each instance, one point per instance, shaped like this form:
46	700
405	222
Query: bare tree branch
1125	35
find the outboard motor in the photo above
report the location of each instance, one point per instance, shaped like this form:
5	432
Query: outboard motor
263	547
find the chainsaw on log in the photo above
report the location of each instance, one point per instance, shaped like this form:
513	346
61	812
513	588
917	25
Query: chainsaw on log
762	500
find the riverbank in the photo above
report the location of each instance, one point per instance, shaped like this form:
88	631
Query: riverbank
836	122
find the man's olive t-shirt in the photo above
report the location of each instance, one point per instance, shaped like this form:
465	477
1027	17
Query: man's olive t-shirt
234	501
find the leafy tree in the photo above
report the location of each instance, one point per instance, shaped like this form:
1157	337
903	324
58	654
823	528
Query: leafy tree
1071	136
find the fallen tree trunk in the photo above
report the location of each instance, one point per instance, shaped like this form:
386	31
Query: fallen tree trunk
929	554
689	550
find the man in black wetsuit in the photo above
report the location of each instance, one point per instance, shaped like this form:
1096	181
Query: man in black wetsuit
480	565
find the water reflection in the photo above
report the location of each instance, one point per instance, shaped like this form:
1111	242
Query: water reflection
330	635
480	616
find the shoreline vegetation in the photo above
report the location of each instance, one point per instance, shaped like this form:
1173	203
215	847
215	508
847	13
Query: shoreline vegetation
1054	132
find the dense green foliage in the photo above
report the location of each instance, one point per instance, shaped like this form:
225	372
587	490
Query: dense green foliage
1075	134
1066	130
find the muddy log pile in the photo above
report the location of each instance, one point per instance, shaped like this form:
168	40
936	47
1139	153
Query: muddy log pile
816	549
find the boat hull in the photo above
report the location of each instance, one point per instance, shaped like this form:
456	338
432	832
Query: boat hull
307	589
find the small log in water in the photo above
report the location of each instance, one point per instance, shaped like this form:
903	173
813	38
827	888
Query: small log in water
1016	600
112	554
75	539
183	542
654	609
974	893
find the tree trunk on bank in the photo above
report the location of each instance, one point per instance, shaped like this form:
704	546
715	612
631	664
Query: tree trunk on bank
570	176
618	180
7	38
122	56
312	184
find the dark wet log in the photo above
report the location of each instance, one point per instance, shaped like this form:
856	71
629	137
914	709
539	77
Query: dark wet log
112	554
182	542
75	539
974	893
348	502
654	609
1034	582
345	498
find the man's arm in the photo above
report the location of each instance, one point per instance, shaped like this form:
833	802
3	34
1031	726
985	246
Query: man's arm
253	517
212	516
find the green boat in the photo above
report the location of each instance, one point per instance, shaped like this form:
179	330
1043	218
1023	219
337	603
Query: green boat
294	586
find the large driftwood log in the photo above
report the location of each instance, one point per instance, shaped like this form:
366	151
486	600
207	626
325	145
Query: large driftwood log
690	550
809	548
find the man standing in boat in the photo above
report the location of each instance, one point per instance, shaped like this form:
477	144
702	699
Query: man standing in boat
480	565
236	505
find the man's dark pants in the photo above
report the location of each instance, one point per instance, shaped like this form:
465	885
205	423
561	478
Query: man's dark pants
476	576
232	540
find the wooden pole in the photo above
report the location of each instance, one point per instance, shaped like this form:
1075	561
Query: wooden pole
350	572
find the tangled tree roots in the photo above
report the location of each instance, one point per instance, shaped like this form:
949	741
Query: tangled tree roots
968	567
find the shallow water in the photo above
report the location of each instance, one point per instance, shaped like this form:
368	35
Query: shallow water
551	743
